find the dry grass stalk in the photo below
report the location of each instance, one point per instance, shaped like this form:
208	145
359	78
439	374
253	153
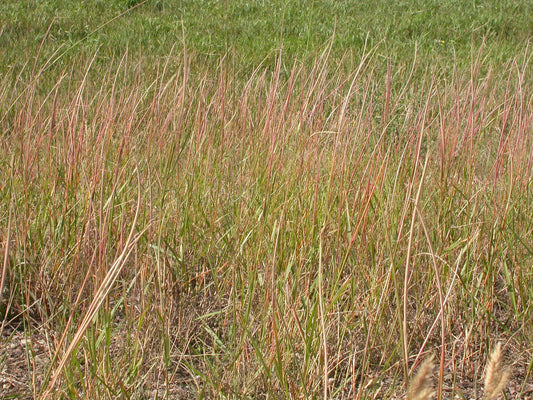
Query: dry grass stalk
421	387
496	376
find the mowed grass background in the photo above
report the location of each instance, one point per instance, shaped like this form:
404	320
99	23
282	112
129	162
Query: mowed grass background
264	199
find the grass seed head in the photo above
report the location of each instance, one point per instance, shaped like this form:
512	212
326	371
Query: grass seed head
421	386
496	376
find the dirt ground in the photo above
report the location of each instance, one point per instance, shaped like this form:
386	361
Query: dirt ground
24	361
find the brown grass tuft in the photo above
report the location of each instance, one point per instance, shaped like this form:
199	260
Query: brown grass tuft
421	387
496	376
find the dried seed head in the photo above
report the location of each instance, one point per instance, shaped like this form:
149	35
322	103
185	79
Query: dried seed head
421	387
496	376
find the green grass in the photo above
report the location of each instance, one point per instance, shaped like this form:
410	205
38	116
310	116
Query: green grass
186	213
254	29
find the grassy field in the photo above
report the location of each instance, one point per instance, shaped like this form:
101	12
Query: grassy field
264	199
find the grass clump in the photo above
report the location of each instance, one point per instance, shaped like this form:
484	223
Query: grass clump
273	220
176	228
